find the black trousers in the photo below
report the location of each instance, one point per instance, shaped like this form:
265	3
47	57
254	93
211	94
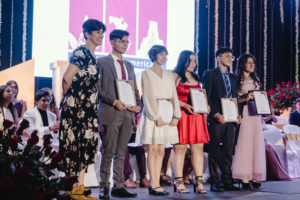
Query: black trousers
221	151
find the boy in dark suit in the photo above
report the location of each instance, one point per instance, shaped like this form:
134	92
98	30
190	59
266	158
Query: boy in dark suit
220	83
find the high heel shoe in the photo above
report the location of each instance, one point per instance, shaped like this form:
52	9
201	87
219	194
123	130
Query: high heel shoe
256	184
164	181
245	186
152	191
179	181
199	181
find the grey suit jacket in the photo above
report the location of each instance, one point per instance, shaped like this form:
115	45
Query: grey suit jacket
107	90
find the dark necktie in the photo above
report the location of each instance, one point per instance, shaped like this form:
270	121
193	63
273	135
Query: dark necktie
227	85
122	69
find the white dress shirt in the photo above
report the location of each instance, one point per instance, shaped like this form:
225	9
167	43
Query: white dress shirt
118	67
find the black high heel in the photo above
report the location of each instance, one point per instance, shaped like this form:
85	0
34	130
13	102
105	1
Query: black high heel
245	186
163	181
256	184
152	191
179	181
199	181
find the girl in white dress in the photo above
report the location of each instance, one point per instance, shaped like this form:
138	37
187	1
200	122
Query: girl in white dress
157	83
6	107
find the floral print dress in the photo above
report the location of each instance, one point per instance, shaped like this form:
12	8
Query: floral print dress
79	124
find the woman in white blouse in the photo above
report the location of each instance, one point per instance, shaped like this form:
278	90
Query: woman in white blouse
6	107
153	131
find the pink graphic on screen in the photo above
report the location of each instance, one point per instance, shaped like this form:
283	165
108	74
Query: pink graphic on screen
121	15
152	24
80	10
146	27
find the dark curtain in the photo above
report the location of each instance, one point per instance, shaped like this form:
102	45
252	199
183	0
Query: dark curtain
275	40
15	32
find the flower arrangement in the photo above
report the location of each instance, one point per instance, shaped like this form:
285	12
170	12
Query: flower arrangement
27	174
284	95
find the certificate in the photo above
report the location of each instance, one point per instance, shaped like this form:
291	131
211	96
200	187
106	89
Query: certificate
126	92
261	102
229	109
165	110
199	100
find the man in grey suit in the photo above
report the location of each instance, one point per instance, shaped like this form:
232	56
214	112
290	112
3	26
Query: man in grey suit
117	118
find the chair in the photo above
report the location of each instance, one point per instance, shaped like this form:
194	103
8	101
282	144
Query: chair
293	149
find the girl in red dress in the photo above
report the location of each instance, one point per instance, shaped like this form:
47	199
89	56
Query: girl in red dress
192	128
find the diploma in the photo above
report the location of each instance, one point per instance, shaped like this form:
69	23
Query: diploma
229	109
262	103
126	92
165	110
199	100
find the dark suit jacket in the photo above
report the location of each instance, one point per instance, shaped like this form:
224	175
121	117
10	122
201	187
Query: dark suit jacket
107	88
214	85
294	118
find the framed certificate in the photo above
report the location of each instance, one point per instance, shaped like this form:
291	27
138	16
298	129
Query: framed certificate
165	110
230	109
199	100
126	92
262	102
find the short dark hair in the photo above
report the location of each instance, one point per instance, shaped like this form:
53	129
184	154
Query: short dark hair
118	34
297	100
92	25
223	50
41	93
156	49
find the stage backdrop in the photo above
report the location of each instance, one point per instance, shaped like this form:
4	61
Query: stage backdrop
268	29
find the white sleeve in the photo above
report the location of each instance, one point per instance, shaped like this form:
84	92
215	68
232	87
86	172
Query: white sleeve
149	97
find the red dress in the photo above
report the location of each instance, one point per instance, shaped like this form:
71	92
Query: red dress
192	128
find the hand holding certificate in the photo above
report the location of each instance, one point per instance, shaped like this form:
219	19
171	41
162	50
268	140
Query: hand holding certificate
230	109
126	92
165	110
262	102
199	100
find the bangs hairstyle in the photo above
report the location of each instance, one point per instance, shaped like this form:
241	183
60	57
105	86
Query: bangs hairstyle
183	62
92	25
156	49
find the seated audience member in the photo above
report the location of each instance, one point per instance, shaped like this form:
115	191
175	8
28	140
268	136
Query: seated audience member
294	118
52	107
19	104
40	118
139	153
7	110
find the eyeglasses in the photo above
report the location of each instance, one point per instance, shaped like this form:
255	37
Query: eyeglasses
124	41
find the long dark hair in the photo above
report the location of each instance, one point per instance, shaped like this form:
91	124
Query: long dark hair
183	62
241	67
10	105
17	87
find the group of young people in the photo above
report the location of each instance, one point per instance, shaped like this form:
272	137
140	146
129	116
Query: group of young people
88	80
90	97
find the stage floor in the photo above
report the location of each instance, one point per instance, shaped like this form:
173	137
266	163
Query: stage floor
271	190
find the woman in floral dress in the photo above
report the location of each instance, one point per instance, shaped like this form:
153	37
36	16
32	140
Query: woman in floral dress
79	125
